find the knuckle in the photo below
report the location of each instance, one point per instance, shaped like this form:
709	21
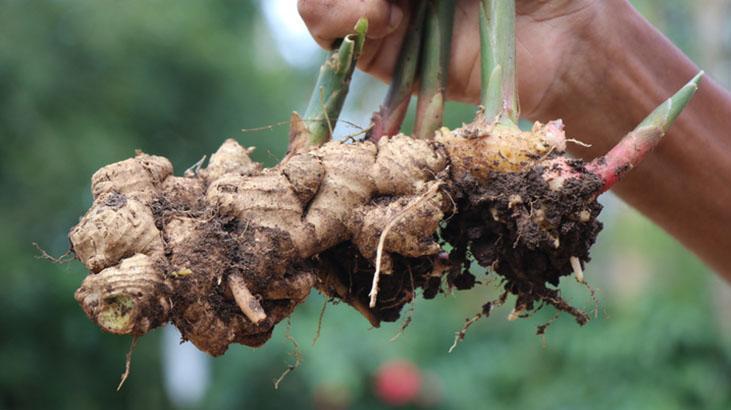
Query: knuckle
312	11
315	14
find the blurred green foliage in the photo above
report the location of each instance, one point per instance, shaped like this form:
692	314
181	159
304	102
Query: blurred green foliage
83	83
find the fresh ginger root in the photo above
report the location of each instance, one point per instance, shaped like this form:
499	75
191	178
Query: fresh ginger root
228	251
162	247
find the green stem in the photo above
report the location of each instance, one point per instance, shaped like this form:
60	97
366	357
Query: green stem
388	119
330	91
497	45
434	70
635	146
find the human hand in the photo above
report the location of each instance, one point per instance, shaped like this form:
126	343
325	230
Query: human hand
551	39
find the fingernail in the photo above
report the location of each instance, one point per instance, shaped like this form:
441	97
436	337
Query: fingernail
395	18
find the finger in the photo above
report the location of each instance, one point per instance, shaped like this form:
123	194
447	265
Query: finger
329	20
379	56
464	62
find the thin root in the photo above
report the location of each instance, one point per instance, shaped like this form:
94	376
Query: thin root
352	137
128	362
319	321
541	329
266	127
459	336
296	353
594	298
486	310
404	325
516	313
61	260
577	142
578	271
579	274
195	168
552	298
382	240
287	122
409	314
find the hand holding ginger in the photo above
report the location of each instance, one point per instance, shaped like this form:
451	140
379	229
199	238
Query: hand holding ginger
601	67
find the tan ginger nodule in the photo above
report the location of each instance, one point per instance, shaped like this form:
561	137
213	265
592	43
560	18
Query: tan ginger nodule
129	298
228	251
115	227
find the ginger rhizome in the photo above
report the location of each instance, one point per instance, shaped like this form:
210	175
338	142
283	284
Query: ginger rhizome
228	251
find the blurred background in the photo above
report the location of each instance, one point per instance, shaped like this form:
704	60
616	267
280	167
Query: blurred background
85	82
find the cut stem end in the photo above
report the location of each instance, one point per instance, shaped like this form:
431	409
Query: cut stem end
330	91
247	302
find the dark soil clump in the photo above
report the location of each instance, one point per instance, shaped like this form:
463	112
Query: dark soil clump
524	231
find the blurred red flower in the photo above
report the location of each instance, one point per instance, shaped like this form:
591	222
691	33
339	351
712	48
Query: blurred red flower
398	382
